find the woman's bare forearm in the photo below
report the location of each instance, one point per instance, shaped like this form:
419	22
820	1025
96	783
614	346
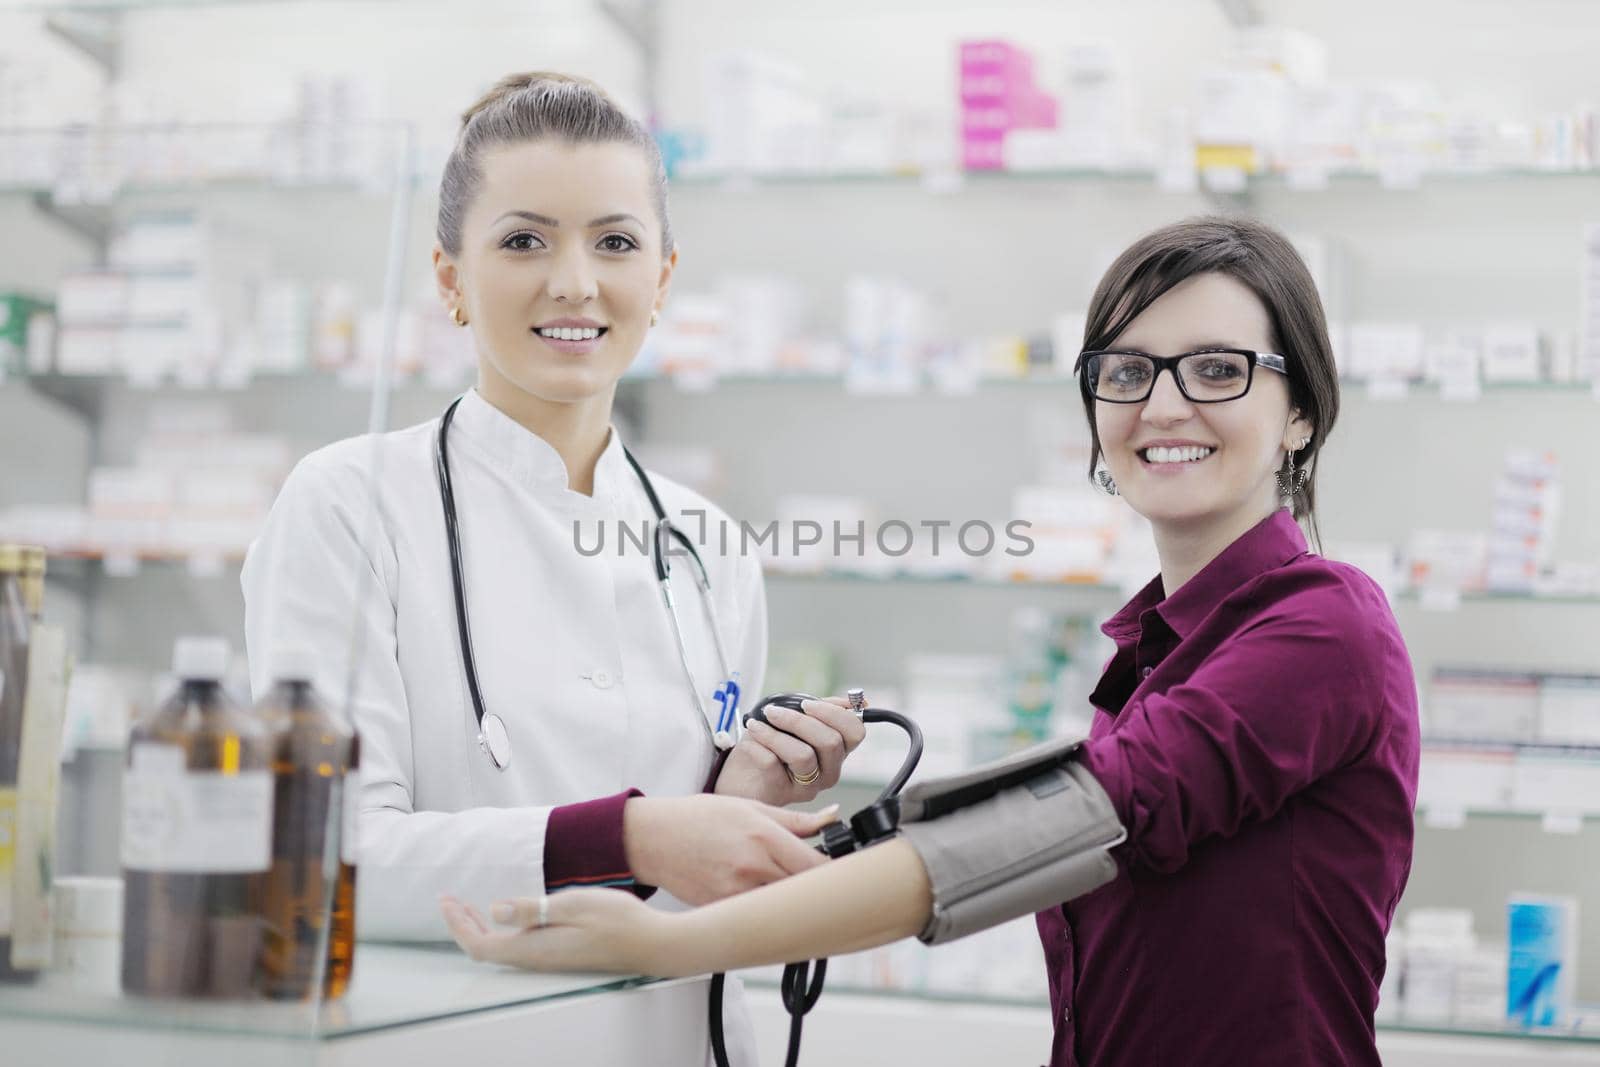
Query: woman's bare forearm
863	900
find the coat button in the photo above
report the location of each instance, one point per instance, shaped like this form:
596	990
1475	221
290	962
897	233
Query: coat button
601	680
1147	672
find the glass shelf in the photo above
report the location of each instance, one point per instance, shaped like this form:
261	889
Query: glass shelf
940	580
49	7
762	980
1101	588
816	381
1551	1034
393	985
931	386
1435	817
1413	596
955	181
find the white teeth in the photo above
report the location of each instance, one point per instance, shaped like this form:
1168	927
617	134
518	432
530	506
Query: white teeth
568	333
1185	454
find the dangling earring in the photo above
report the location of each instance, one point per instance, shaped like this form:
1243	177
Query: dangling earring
456	316
1103	479
1290	485
655	316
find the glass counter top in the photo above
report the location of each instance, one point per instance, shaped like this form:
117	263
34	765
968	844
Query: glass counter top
393	985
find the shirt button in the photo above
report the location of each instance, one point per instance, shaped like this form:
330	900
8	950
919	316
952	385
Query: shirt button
1147	672
601	680
1066	1015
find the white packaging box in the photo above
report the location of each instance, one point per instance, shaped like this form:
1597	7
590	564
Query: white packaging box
950	695
1461	780
150	353
283	326
129	493
1530	467
768	312
92	298
1480	987
1295	54
1511	353
1385	351
764	115
159	243
1569	709
1559	783
1437	939
162	298
1243	108
224	493
1095	106
1325	132
1483	705
1454	359
1447	559
88	350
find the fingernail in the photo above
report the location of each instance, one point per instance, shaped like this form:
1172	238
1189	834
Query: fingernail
830	811
503	912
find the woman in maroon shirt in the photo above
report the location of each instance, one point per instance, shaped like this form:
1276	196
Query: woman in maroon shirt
1256	730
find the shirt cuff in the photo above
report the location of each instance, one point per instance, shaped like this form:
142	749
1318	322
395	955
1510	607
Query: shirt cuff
583	845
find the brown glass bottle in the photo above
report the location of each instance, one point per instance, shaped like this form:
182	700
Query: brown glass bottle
196	837
310	916
15	629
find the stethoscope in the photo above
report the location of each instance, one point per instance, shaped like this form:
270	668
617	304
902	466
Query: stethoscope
492	735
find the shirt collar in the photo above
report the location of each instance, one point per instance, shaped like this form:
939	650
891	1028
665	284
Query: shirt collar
1269	544
526	457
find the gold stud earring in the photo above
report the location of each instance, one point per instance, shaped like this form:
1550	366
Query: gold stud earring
456	316
655	316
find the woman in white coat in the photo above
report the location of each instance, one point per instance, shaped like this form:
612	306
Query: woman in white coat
554	249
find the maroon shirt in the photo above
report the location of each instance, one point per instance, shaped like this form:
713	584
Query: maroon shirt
1257	732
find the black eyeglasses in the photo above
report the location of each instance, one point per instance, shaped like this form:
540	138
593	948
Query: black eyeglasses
1209	376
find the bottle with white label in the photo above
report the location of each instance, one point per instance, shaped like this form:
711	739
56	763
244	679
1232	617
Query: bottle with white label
311	886
196	836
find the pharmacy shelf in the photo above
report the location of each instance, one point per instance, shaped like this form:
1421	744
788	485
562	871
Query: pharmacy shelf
1560	1035
952	181
958	384
1439	817
930	385
48	7
918	580
1414	596
1100	588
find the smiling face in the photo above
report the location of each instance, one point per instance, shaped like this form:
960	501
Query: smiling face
560	267
1201	470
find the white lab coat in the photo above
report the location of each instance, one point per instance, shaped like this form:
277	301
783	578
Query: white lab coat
575	653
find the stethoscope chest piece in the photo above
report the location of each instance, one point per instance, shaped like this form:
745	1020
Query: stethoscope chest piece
494	740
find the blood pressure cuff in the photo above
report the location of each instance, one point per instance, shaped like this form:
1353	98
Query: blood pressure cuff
1010	838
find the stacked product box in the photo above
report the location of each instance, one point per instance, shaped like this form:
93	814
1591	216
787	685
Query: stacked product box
1527	502
1512	740
998	95
147	313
